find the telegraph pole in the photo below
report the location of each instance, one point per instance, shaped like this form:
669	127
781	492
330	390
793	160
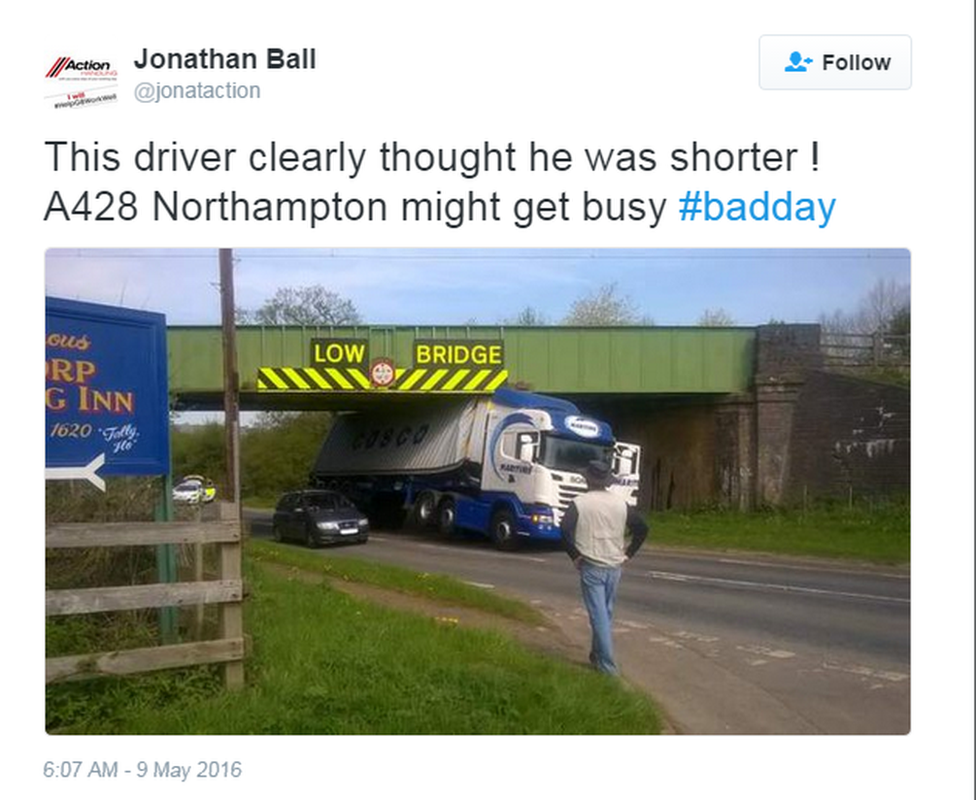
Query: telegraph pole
231	621
231	380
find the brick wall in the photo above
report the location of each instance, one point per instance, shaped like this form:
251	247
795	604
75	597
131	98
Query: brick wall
849	435
801	432
697	451
785	354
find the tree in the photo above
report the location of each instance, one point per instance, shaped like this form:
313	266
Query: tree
883	312
199	450
886	305
901	322
604	307
302	305
528	317
278	453
716	318
838	322
882	304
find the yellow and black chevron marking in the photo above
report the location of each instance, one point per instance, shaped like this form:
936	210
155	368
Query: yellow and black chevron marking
312	379
450	379
351	379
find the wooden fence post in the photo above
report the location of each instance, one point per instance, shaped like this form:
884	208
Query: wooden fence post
231	614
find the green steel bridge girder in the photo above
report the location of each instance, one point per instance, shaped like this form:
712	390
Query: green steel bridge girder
553	360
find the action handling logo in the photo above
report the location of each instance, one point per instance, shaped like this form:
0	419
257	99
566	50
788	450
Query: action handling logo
72	82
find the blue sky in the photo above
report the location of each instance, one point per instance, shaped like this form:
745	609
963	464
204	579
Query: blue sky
485	286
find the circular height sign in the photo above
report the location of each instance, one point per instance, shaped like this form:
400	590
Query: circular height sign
382	372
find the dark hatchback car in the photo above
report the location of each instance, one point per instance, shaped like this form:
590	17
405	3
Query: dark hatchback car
318	517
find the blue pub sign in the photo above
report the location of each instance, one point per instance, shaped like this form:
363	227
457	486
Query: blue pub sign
105	394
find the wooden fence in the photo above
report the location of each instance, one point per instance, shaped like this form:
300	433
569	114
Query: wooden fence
226	590
866	350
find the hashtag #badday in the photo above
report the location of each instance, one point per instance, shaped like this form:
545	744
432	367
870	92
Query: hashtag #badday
759	209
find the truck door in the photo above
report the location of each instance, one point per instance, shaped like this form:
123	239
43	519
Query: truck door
514	450
626	470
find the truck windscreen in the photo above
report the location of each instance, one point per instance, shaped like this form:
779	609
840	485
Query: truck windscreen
571	455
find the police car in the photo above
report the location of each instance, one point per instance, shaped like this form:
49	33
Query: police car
194	489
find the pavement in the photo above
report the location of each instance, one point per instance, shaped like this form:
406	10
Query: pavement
695	693
704	685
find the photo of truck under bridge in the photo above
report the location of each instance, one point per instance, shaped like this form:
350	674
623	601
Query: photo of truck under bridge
736	417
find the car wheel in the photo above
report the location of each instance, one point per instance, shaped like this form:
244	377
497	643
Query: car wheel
276	532
310	538
503	530
446	517
425	510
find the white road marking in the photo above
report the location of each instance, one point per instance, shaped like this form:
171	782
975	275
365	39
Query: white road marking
665	641
485	553
695	637
480	585
867	672
779	587
811	568
769	652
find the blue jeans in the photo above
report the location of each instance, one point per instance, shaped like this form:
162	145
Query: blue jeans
599	587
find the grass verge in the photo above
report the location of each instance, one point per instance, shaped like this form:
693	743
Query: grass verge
440	588
879	534
327	663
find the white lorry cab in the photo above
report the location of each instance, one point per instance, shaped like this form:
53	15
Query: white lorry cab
507	465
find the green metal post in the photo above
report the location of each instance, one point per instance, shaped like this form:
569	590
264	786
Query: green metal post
166	568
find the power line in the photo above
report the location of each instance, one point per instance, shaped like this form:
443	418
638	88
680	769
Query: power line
500	255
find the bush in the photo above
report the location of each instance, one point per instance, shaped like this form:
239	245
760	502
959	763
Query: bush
278	453
200	450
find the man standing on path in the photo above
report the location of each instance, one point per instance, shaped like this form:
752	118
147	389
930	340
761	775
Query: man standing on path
594	531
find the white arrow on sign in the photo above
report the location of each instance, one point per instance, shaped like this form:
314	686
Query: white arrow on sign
87	472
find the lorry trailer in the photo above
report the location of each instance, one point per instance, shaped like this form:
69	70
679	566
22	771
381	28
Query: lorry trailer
505	465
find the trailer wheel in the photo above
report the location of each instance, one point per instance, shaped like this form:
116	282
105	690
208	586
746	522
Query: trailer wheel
446	517
425	510
503	530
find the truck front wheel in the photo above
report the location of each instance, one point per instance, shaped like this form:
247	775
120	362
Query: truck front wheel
503	530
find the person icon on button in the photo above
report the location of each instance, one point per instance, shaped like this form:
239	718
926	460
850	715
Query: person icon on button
795	65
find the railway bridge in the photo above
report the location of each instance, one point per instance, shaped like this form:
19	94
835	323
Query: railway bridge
737	416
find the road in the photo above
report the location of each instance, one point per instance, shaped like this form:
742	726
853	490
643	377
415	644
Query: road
725	644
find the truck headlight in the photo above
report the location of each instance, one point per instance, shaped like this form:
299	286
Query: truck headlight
542	519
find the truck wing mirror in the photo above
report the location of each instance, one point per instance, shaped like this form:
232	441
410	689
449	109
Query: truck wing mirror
527	446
